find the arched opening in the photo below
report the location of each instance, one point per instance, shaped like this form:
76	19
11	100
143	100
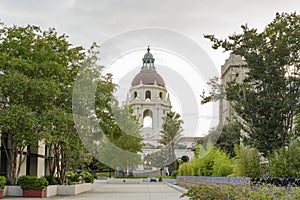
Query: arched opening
185	159
135	95
147	119
161	95
148	95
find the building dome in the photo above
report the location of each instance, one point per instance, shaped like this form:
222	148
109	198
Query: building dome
148	74
148	78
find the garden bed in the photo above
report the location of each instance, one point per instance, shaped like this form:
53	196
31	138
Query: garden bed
51	190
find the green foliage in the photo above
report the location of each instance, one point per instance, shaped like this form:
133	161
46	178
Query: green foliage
32	182
174	173
158	159
215	191
285	162
53	180
125	128
171	132
226	137
215	163
247	162
87	177
37	72
267	100
2	182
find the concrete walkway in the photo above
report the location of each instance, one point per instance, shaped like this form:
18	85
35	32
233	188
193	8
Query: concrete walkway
145	191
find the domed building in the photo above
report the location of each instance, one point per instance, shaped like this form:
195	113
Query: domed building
150	100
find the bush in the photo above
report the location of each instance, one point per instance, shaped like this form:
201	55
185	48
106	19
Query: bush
73	178
215	191
88	177
175	173
32	182
247	162
214	163
2	182
285	162
53	180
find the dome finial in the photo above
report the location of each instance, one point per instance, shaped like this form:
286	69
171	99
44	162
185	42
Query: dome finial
148	49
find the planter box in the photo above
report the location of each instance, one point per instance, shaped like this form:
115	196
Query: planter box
72	190
51	190
13	191
1	193
34	193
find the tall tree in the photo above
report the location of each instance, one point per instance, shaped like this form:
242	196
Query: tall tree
268	98
37	71
171	132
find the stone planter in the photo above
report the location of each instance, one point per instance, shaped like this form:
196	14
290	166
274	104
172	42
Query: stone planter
13	191
72	190
51	190
34	193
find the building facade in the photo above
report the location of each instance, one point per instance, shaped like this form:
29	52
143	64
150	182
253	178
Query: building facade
233	69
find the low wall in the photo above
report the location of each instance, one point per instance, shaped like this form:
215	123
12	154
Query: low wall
51	191
125	180
186	181
13	191
72	190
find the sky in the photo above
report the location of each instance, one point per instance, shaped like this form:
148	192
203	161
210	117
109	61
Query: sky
174	30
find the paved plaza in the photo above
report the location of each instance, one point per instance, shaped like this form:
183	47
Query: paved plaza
145	191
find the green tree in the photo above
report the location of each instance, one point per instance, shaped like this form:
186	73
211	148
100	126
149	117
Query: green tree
225	137
268	98
18	127
171	132
285	161
37	69
247	163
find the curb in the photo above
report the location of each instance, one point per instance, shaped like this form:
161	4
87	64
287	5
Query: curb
177	188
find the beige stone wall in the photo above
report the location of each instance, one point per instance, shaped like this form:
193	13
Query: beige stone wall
233	68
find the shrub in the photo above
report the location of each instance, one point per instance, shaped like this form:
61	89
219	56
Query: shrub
2	182
175	173
216	191
88	177
32	182
53	180
222	164
284	162
73	178
214	163
247	162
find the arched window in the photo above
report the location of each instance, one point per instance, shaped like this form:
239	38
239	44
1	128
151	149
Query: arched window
135	95
161	95
148	95
185	158
147	119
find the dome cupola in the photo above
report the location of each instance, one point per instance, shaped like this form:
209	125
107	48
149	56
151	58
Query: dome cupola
148	74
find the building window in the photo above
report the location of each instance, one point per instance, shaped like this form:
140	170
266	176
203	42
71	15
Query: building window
161	95
147	119
148	94
135	95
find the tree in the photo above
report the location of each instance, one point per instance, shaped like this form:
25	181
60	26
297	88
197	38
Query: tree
268	98
247	163
171	132
285	161
37	72
224	137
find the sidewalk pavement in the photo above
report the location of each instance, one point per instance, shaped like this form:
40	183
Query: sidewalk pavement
145	191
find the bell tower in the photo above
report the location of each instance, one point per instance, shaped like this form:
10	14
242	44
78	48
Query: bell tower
149	99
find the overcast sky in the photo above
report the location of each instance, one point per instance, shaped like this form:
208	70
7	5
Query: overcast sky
88	21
